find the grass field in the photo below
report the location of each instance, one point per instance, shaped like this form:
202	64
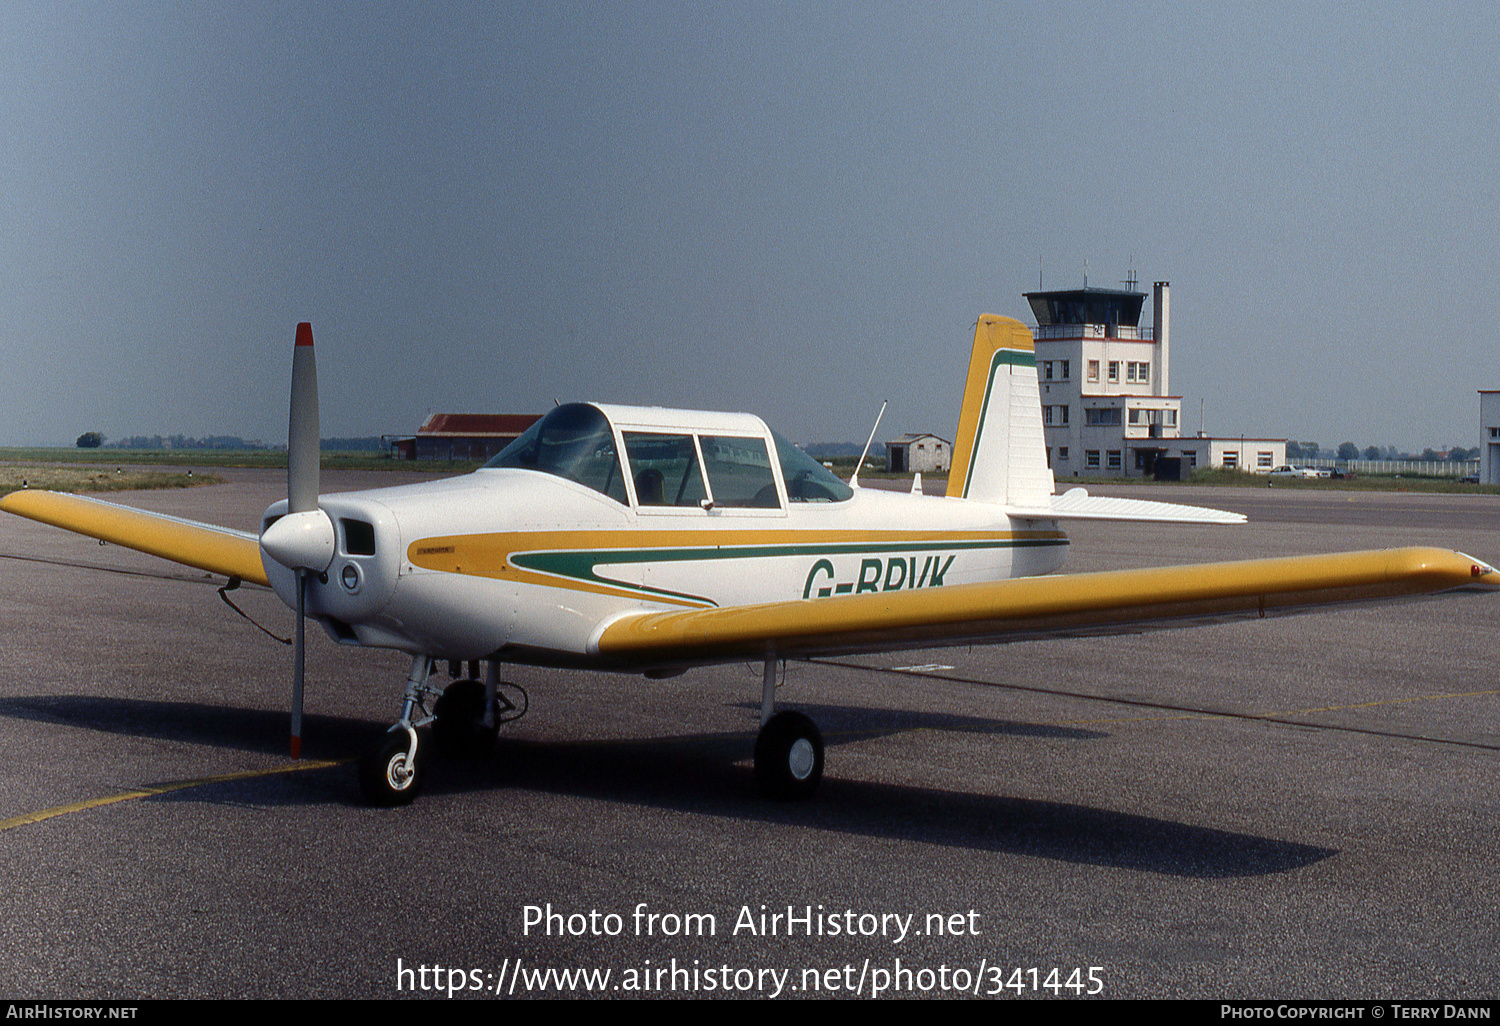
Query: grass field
14	477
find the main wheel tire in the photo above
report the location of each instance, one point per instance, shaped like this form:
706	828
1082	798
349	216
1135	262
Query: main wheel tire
459	728
789	757
386	778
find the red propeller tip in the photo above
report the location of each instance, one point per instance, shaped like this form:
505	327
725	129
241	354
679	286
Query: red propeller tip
304	334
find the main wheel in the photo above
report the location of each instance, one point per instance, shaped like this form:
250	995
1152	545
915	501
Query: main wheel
387	777
789	757
459	728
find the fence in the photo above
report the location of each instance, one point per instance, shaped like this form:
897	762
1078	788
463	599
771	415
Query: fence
1409	468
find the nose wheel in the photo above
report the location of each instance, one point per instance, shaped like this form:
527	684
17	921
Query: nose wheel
392	774
465	719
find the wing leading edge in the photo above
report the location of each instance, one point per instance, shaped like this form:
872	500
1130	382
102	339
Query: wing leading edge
217	550
1035	607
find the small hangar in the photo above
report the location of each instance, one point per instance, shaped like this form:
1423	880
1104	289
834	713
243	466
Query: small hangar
918	453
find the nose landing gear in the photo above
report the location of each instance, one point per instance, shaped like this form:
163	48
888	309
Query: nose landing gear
465	719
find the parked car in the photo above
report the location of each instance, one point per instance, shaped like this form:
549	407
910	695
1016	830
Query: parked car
1469	479
1293	472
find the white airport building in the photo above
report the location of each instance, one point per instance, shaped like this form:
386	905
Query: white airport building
1489	437
1107	404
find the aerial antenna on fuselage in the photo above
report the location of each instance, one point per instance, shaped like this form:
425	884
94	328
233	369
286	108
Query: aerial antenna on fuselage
854	477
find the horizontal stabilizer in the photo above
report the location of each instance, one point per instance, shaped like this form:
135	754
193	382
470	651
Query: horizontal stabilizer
218	550
1078	504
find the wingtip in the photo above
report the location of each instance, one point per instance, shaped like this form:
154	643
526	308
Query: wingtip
1481	573
304	334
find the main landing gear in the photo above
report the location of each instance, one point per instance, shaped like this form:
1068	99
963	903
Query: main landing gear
789	749
466	716
465	719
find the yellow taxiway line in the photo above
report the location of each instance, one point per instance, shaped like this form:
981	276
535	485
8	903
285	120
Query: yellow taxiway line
151	790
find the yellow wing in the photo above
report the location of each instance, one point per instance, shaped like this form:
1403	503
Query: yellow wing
1037	607
204	546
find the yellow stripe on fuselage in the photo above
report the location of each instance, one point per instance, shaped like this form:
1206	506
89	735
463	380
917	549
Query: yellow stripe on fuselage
494	555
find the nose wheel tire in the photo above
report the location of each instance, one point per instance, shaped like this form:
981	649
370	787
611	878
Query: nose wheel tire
789	757
388	776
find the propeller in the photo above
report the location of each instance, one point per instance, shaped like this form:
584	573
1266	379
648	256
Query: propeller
302	540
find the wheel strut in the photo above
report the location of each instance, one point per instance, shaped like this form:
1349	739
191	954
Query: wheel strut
789	748
393	772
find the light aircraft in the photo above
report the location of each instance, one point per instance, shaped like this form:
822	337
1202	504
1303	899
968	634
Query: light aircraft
648	540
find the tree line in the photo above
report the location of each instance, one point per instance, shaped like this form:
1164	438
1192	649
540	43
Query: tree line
1349	451
95	439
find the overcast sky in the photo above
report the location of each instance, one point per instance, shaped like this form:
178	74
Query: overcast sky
793	209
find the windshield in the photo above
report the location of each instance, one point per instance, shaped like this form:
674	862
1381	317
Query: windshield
573	442
807	480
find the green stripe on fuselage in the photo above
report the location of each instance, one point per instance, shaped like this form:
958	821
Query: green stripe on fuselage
581	564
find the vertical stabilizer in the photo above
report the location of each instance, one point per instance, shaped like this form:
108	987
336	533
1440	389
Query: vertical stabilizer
999	452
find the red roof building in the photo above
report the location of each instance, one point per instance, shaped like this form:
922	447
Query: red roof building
469	436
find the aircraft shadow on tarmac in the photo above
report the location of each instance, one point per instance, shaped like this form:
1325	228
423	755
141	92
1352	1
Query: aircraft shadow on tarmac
709	774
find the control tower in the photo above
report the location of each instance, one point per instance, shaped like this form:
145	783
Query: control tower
1106	401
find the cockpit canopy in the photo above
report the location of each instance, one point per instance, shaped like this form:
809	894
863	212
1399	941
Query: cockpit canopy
675	458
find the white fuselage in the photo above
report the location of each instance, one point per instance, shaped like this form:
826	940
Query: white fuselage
477	566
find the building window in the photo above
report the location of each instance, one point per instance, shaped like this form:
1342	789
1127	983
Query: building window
1093	370
1171	418
1062	454
1191	455
1114	459
1062	414
1231	461
1138	372
1095	417
1047	415
1114	370
1495	432
1047	370
1264	460
1091	459
1064	369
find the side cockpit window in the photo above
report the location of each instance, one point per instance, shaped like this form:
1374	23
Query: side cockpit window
665	469
739	471
573	442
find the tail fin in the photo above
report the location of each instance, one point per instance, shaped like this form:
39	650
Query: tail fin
1000	453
